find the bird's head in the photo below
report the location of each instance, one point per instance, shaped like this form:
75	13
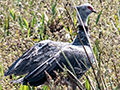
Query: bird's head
85	10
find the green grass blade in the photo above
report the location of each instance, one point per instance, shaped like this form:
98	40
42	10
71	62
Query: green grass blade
33	88
95	50
2	72
25	22
33	20
53	7
74	15
12	14
45	87
21	87
31	2
88	20
65	27
20	22
8	27
24	87
0	87
42	27
4	27
14	17
46	37
98	17
28	32
87	85
42	23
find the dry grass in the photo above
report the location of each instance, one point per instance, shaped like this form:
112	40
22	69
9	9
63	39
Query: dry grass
17	36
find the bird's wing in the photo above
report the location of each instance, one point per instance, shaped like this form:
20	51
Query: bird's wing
37	76
34	57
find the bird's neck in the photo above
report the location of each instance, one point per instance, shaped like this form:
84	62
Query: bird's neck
84	19
82	36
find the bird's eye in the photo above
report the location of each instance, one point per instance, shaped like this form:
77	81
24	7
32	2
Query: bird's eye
89	7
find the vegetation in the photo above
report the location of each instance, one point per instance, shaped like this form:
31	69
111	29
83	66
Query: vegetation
25	22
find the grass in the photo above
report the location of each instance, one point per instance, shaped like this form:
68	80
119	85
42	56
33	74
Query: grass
23	23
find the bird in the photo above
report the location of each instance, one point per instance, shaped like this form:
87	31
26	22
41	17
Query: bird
48	55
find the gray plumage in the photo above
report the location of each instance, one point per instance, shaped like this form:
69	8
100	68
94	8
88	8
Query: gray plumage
33	57
43	56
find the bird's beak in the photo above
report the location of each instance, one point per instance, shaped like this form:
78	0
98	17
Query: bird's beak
94	11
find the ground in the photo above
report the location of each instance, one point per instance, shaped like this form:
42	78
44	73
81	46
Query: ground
25	22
